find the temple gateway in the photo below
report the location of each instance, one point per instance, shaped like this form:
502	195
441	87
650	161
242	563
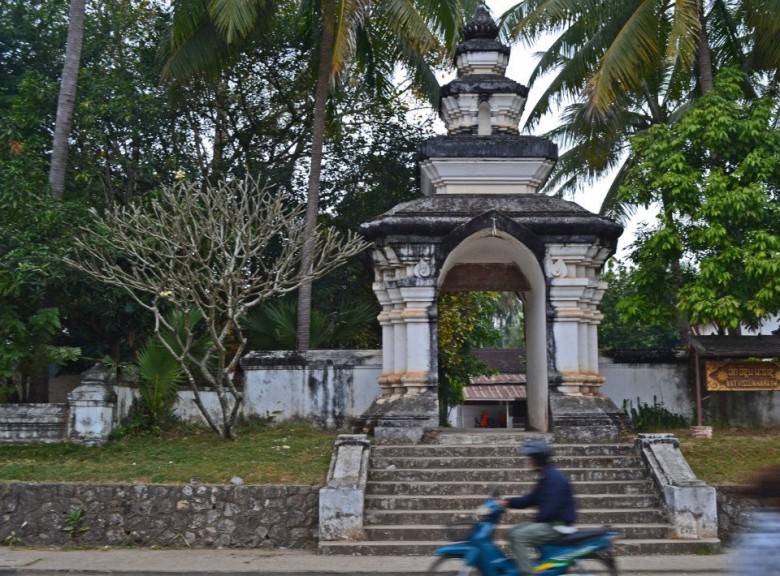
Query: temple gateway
482	225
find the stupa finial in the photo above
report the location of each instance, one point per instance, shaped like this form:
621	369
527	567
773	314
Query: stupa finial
481	26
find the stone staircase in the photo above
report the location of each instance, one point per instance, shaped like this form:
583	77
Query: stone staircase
415	493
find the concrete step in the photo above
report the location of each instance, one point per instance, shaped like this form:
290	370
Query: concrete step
501	474
470	503
596	516
639	547
443	532
459	437
513	462
486	489
496	450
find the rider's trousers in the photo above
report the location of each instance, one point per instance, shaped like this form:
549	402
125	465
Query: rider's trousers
523	536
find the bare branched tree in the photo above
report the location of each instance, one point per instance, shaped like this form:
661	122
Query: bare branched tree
218	249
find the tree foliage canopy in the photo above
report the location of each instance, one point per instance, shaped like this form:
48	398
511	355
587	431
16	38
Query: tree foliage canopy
465	323
715	174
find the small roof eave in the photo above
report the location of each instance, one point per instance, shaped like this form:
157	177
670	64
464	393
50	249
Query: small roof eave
761	346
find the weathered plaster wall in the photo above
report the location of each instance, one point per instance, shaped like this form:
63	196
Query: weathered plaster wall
325	387
666	382
33	422
673	384
743	408
198	516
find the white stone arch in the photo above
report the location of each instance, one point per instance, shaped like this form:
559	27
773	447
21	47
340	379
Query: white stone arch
495	246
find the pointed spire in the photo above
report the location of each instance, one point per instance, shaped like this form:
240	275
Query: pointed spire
481	26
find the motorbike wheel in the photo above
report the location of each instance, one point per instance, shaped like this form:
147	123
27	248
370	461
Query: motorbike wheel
579	569
452	565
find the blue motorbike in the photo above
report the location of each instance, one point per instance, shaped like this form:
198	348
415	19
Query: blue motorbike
480	555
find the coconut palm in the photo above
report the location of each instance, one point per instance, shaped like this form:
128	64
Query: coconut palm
67	98
629	64
367	37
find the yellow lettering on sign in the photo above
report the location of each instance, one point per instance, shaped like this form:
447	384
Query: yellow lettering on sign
742	375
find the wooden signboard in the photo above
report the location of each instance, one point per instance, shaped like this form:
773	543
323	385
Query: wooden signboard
736	376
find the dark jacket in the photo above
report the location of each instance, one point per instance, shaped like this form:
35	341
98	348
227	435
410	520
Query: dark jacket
553	496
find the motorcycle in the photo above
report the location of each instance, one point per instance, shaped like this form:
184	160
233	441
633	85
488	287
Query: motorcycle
478	554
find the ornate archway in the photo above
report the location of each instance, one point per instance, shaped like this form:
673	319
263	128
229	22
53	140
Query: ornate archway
482	225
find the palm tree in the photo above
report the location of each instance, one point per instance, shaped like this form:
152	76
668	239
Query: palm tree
629	64
367	37
67	97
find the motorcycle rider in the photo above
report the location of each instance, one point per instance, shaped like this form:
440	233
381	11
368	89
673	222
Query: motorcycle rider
555	501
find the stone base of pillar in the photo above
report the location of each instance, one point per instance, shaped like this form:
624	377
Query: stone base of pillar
579	383
592	418
402	419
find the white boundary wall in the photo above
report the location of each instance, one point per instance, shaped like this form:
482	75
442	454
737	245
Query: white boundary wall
325	387
665	382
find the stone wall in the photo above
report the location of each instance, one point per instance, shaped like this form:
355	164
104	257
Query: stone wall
198	516
733	511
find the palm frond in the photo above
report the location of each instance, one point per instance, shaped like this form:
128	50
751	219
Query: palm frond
202	52
235	19
403	18
634	49
529	18
345	20
684	32
762	18
613	206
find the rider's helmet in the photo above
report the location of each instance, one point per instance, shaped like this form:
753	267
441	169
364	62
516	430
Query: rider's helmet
536	449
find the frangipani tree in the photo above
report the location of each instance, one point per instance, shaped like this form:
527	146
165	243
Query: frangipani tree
218	249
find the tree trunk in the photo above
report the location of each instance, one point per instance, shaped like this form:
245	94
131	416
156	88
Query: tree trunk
704	55
313	195
38	387
67	97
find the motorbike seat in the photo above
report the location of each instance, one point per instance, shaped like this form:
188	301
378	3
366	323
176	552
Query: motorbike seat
579	537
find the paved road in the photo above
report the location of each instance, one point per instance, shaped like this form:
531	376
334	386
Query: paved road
19	561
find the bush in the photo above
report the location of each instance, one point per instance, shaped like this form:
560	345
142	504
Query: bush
647	418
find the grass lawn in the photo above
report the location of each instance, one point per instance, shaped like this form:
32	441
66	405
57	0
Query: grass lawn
299	454
280	454
731	456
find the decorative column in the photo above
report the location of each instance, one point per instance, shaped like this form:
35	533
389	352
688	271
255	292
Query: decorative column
405	285
575	293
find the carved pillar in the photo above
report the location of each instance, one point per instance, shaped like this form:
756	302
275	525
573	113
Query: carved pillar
575	292
406	289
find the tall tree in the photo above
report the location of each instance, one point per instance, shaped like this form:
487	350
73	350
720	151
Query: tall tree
351	36
628	65
716	174
67	98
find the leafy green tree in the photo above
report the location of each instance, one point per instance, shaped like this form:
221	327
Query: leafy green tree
634	331
715	173
33	241
123	141
465	323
